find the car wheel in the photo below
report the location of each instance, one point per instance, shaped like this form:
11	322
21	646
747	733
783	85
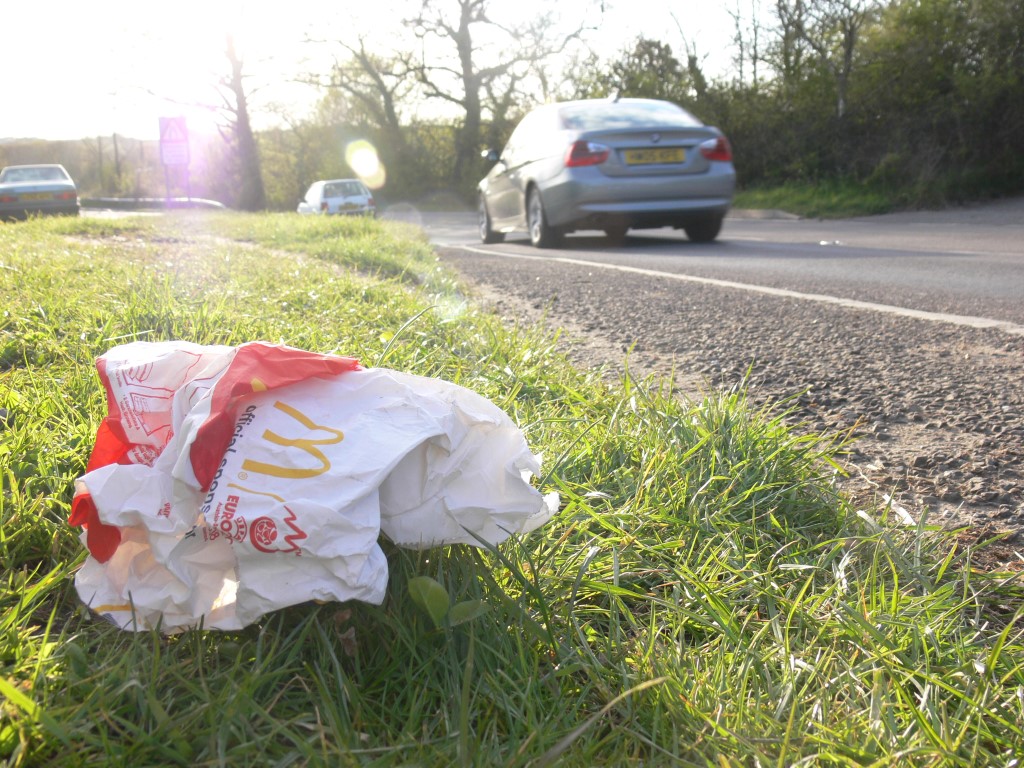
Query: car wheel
487	234
542	234
617	233
703	230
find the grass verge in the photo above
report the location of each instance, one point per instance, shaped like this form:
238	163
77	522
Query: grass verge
704	597
831	199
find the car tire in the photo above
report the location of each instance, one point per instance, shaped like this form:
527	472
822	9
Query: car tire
617	233
542	234
487	234
703	230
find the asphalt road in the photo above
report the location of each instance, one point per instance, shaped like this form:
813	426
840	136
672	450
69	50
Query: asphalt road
965	262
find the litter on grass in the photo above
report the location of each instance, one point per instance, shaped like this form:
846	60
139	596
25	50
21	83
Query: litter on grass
228	482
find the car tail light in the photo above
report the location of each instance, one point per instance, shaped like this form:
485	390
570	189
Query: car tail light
66	195
717	149
583	153
369	202
323	207
8	198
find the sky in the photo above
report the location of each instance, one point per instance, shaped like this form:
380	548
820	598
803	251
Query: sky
117	66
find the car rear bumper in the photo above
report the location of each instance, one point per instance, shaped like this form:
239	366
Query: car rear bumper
572	203
353	212
647	215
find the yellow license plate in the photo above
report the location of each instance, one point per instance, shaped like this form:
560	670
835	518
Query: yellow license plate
654	156
36	196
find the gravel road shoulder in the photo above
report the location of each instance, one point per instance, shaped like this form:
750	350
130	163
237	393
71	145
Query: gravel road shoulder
937	411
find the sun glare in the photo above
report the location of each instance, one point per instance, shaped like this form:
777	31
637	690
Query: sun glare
362	158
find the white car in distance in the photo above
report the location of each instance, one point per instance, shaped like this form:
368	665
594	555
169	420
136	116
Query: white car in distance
345	197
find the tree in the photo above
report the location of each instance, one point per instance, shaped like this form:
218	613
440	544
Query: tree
789	51
291	157
461	70
649	69
941	95
373	90
458	34
238	134
233	172
747	37
831	29
371	93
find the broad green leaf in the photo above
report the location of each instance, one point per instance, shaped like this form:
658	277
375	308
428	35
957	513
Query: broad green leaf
429	595
467	610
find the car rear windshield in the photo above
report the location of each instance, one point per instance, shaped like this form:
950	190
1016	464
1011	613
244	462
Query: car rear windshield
343	189
33	174
625	114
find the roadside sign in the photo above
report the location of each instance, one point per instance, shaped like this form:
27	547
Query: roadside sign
173	141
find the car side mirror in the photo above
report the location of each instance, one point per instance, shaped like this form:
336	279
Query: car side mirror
490	155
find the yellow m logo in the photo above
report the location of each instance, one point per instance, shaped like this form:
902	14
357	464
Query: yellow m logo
306	444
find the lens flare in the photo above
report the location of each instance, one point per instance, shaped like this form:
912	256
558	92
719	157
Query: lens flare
362	158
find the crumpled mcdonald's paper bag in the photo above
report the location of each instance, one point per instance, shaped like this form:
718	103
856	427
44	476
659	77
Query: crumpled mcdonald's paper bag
228	482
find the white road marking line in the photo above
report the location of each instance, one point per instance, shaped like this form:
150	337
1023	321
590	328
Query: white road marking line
936	317
870	246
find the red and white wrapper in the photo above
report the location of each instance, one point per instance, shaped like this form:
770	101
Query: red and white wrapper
228	482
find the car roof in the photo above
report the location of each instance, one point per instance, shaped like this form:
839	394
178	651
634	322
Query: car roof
626	112
625	101
35	165
336	184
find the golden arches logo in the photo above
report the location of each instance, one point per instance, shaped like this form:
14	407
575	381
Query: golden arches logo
306	444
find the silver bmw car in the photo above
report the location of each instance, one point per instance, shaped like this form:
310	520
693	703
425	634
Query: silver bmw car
614	165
